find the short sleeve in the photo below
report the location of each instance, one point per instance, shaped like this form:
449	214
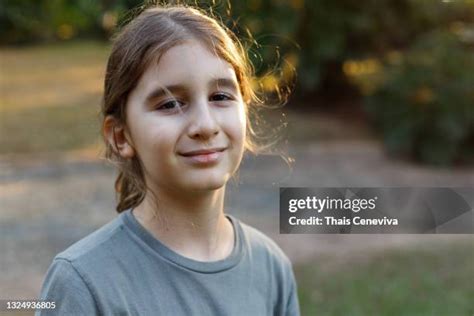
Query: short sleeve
292	305
65	286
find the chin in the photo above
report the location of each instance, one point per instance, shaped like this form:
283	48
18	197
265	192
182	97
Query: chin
207	182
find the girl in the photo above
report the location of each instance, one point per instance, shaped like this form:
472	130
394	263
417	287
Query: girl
176	102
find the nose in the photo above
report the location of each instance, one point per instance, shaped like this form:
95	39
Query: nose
203	125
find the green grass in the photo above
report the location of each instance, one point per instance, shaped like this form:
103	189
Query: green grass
395	282
49	129
50	97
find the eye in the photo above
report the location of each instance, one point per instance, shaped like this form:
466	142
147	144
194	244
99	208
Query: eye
221	97
170	105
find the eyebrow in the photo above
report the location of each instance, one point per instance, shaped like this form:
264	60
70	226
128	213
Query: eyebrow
162	91
226	83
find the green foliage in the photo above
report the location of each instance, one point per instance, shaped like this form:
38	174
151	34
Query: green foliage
28	21
425	106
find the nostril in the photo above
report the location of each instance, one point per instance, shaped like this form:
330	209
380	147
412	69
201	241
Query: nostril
204	131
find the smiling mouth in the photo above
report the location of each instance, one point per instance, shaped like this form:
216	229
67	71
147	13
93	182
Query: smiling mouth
203	152
204	157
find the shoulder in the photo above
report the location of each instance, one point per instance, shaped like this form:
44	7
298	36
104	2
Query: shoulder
273	267
96	245
259	243
70	277
69	291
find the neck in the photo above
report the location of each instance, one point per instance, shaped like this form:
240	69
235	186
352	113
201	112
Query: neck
194	226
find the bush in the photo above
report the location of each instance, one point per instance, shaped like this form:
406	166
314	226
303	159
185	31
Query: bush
424	107
26	21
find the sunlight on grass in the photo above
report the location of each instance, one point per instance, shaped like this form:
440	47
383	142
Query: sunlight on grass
45	129
50	96
51	75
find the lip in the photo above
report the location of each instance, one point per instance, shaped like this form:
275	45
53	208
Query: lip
204	156
201	152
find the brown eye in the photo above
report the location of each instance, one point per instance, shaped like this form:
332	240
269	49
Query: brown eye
221	97
170	105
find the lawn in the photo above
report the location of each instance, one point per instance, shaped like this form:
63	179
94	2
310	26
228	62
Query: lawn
436	280
50	97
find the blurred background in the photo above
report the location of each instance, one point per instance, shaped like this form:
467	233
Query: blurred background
382	94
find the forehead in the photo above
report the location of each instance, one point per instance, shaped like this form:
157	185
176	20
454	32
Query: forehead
188	64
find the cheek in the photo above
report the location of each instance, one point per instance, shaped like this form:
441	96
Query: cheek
239	124
157	142
163	139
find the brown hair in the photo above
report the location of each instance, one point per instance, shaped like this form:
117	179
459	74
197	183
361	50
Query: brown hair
144	40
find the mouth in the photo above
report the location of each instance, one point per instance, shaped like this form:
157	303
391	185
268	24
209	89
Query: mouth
204	157
201	152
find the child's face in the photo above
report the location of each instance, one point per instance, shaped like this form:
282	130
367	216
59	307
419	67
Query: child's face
187	121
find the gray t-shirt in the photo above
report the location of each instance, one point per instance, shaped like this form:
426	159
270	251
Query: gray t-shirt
121	269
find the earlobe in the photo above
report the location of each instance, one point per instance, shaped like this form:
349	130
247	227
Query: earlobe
125	149
117	137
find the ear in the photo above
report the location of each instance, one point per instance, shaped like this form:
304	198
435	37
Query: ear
117	136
